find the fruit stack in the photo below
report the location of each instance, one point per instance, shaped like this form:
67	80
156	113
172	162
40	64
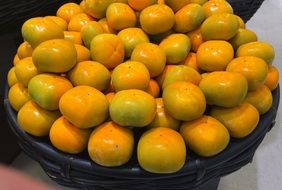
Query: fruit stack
188	73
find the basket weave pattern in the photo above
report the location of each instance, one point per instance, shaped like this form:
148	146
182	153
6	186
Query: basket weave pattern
80	172
245	8
15	12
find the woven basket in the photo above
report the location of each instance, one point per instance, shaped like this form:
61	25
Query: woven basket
79	171
14	12
245	8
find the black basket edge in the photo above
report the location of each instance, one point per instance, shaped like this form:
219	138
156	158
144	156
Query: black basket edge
201	167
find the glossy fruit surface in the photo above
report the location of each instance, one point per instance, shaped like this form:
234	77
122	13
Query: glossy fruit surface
189	18
272	78
139	5
120	16
153	88
110	96
206	136
191	61
39	29
11	77
89	31
174	73
18	96
131	37
59	21
24	50
68	10
152	56
156	155
85	73
200	2
176	48
261	99
16	59
253	68
240	120
222	26
110	144
105	25
107	49
258	49
133	108
163	118
83	54
78	21
67	137
161	72
89	102
97	8
184	101
223	88
242	37
47	89
176	5
241	22
73	36
130	75
196	39
56	56
36	120
214	55
25	70
217	6
157	19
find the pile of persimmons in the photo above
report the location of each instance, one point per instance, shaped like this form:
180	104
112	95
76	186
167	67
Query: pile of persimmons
188	72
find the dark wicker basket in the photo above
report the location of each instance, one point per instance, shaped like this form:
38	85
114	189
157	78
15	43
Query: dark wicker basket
245	8
14	12
79	171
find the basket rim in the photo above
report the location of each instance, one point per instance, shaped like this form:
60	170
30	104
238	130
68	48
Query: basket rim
235	148
20	12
